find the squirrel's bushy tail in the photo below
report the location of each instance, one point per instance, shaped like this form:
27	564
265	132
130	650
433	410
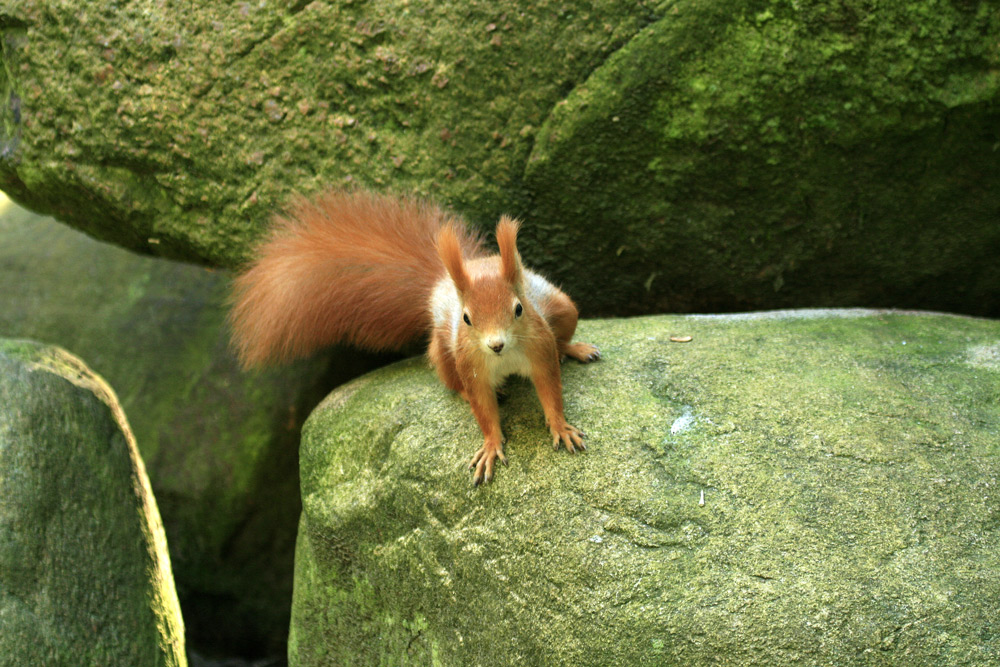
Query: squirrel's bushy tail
348	267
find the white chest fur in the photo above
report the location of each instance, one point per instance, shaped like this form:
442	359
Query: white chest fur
446	308
512	362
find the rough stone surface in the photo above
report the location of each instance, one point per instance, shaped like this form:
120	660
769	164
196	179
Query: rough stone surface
84	572
178	129
220	444
790	488
781	154
692	155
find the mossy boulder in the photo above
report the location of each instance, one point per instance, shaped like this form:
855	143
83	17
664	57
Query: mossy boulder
179	132
781	154
84	572
806	487
692	155
220	444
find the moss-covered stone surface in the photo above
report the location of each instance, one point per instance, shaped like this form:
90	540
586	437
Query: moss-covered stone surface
84	573
797	488
782	154
691	155
178	129
220	444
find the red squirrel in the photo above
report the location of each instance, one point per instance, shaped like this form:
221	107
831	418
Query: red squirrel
378	272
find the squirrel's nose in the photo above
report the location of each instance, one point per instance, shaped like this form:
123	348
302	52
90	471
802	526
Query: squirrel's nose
497	347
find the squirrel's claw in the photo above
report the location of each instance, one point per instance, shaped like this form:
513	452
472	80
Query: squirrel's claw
570	437
483	460
583	352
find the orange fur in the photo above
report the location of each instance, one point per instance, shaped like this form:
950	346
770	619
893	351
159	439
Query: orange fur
352	267
468	359
450	251
377	272
510	260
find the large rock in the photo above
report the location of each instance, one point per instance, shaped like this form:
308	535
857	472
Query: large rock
781	154
693	155
84	573
787	488
220	444
178	132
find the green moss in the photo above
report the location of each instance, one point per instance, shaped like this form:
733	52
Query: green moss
845	459
83	557
694	156
220	444
736	157
180	134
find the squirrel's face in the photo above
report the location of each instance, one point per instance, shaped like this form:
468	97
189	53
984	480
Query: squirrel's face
494	316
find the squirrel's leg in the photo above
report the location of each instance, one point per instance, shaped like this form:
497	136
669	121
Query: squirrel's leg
562	316
444	362
481	398
548	384
483	401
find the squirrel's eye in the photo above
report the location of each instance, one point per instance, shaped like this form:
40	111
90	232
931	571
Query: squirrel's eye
465	316
518	310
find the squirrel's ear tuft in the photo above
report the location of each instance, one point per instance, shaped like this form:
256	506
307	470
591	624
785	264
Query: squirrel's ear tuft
510	260
450	250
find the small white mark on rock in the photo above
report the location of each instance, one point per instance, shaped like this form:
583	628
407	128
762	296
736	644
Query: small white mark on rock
683	422
984	356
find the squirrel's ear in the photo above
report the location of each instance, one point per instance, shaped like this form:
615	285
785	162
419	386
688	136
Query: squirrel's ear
450	251
510	260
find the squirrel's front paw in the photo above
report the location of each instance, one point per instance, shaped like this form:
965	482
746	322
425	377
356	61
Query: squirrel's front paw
583	352
483	461
570	436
